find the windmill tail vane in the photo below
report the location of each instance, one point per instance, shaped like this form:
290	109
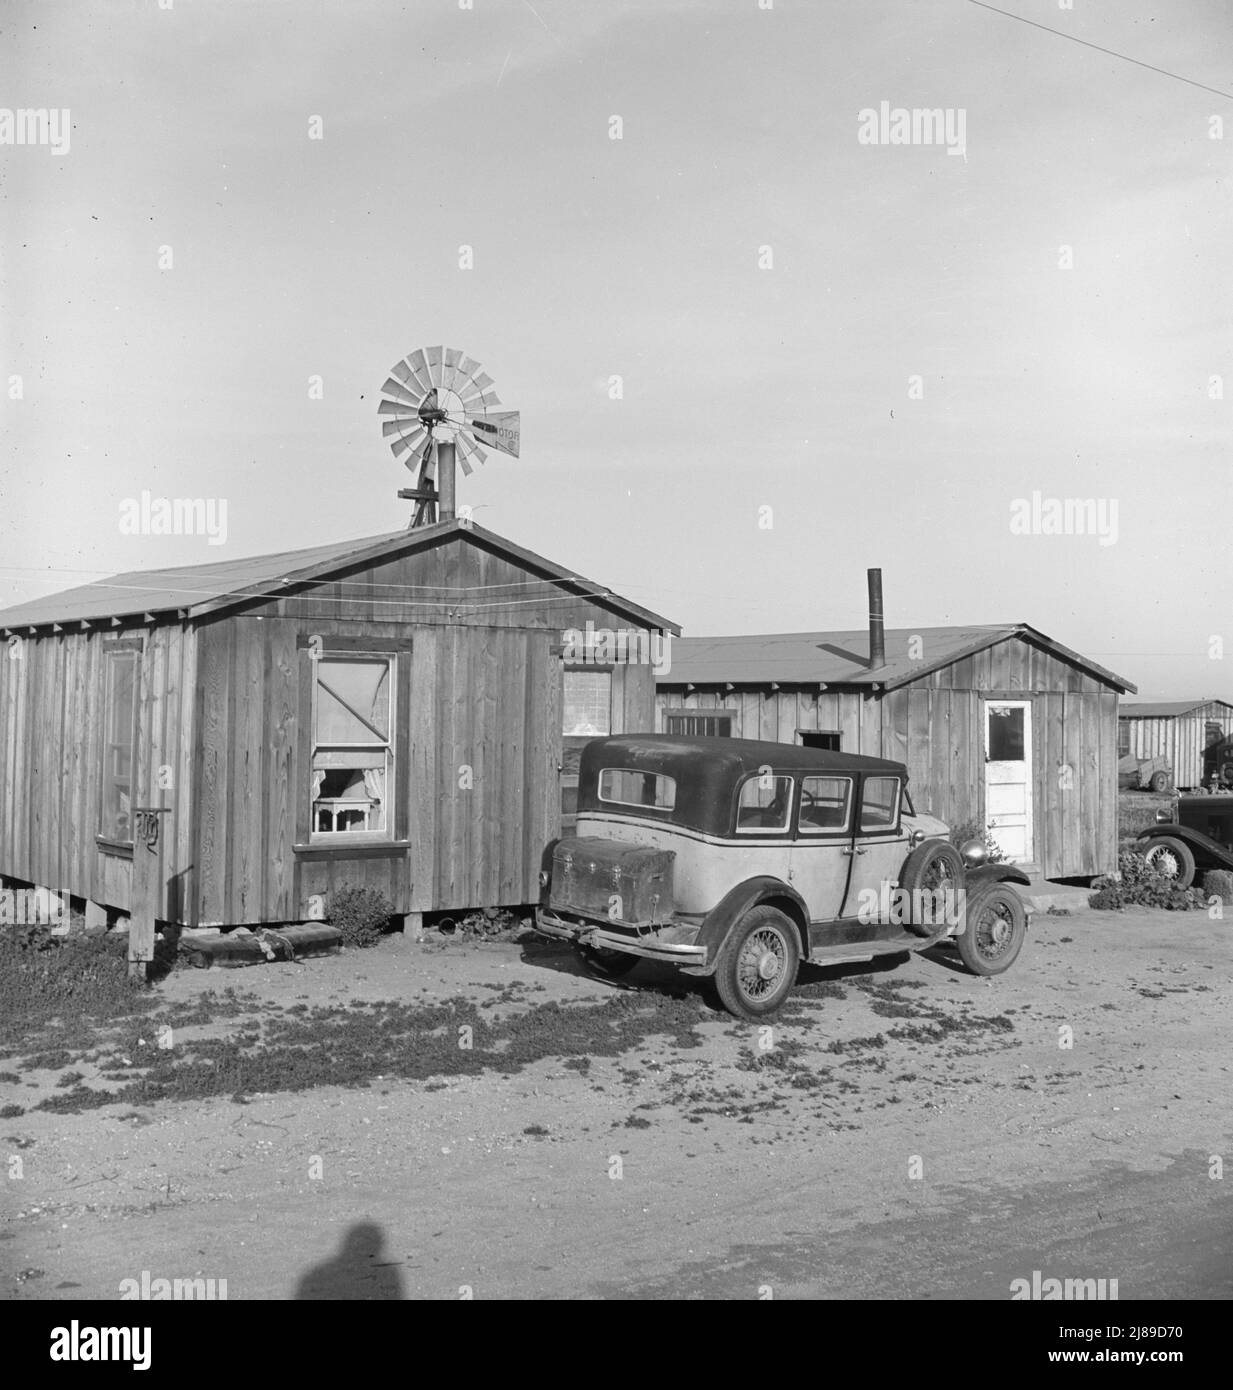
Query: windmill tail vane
437	407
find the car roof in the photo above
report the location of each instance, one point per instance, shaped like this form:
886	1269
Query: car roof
738	755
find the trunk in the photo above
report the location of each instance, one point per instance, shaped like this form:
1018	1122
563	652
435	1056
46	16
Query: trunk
607	879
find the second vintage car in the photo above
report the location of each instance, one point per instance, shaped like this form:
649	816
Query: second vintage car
737	859
1196	834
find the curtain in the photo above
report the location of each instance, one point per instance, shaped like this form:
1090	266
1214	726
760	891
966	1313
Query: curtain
318	778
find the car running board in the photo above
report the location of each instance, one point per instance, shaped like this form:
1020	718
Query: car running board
867	950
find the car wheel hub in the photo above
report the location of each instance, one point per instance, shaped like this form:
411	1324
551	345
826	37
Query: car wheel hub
768	966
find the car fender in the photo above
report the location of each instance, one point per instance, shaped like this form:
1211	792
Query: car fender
765	888
994	873
1209	853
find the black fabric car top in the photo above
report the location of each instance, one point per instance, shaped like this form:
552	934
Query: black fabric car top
707	772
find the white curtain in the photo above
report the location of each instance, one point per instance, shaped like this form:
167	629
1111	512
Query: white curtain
318	778
374	783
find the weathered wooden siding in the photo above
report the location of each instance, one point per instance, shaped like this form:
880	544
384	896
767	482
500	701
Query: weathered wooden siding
1181	739
935	726
51	731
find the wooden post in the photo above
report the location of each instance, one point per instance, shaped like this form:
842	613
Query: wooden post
144	893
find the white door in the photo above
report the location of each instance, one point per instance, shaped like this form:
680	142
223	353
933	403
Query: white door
1008	776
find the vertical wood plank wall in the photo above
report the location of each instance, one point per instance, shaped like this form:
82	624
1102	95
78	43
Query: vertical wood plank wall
934	726
1180	738
51	755
223	739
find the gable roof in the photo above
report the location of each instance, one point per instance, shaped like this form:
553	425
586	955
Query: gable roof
195	590
1166	709
839	658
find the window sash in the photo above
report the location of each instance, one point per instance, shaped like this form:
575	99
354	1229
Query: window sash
118	754
363	808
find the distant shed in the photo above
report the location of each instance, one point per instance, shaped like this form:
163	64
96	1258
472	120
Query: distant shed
1192	734
385	712
997	724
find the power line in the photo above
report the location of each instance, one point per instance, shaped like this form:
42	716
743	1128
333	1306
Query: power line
1125	58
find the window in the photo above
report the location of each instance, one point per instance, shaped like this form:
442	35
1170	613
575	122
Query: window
826	804
119	733
353	748
1123	738
829	739
626	787
690	725
880	803
587	704
1005	734
764	803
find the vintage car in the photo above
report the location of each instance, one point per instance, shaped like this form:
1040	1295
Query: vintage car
1198	834
736	859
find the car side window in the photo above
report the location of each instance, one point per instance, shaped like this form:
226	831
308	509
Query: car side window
880	803
764	803
826	805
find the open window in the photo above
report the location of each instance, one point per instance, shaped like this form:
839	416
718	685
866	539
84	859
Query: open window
353	763
826	805
764	803
120	676
880	804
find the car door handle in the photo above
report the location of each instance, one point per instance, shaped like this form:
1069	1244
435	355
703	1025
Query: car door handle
850	851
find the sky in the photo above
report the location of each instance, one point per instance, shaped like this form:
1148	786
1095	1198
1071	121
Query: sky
754	354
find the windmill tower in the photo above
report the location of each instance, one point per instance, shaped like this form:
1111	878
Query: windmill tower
439	410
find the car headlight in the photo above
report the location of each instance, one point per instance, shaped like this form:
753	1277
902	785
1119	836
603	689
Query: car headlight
974	853
544	878
917	837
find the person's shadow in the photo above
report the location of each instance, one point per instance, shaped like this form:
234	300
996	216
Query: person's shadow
355	1272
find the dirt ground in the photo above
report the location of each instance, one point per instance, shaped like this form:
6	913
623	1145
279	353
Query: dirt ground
913	1132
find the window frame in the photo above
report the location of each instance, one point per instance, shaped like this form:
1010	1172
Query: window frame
765	830
641	806
574	668
726	715
822	832
330	839
130	649
896	821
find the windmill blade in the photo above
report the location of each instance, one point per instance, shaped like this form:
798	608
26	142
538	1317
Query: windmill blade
435	355
462	450
409	437
419	365
499	430
406	374
466	370
449	373
406	425
397	408
406	445
396	391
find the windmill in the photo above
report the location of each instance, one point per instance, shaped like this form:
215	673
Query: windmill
438	408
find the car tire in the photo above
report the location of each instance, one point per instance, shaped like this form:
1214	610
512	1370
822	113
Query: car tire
994	930
934	865
758	963
605	964
1172	859
1159	782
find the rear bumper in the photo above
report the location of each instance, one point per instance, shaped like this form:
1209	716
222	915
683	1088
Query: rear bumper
651	945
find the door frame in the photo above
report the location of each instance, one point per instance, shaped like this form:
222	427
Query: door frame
1027	704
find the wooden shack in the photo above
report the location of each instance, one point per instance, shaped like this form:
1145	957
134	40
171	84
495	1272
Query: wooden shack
1193	735
999	725
387	712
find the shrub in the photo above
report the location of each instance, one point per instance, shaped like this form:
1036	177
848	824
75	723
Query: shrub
1137	883
44	976
361	914
973	830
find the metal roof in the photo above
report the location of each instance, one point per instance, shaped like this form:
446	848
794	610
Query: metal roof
199	589
840	658
1166	709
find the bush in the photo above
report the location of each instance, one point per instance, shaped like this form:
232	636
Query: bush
973	830
361	914
44	976
1137	883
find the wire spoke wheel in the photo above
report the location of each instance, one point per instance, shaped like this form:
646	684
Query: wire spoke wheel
994	930
758	963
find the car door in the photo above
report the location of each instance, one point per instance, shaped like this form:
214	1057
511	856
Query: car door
821	855
880	847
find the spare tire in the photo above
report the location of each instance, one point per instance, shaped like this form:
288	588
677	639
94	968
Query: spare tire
933	867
